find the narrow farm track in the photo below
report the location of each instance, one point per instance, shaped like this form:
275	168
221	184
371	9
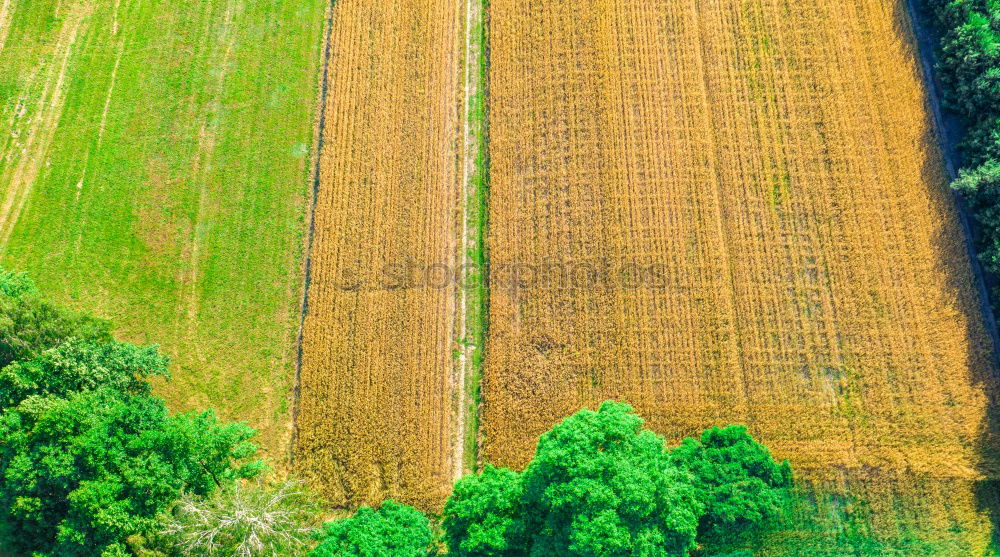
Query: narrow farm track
5	14
735	212
461	310
471	256
376	403
32	137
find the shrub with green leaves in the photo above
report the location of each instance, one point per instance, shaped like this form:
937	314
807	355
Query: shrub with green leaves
393	530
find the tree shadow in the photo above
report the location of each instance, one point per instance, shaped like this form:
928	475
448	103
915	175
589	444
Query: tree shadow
948	129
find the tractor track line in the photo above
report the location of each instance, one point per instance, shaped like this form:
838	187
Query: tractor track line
317	155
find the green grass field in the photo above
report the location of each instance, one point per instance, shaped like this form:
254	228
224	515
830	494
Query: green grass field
154	169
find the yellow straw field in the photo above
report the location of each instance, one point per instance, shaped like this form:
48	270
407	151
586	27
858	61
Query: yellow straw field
375	414
731	212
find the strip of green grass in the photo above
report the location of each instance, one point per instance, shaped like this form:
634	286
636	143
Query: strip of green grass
477	209
171	195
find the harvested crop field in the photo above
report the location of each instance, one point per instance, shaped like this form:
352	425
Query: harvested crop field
153	164
735	212
377	409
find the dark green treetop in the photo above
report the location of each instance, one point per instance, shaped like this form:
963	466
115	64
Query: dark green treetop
737	481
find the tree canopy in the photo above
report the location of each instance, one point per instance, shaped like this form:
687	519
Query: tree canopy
393	530
29	324
600	484
735	478
87	456
483	516
969	70
240	521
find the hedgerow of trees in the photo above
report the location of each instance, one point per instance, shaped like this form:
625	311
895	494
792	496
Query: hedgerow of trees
599	485
969	70
92	464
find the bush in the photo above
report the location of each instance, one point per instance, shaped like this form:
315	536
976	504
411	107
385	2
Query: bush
392	531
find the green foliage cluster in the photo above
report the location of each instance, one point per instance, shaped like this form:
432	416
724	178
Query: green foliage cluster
29	324
392	531
969	63
91	464
600	484
88	457
735	479
969	70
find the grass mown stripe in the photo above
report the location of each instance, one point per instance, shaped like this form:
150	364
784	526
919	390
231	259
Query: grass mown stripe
477	224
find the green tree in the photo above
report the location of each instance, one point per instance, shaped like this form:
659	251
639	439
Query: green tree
88	457
982	142
602	485
737	481
81	472
482	518
969	65
392	531
29	324
981	188
79	365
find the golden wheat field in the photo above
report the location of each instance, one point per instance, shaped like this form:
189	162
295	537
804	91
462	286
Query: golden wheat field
375	413
731	212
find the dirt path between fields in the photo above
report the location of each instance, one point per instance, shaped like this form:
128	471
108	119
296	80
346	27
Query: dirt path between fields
470	230
5	16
